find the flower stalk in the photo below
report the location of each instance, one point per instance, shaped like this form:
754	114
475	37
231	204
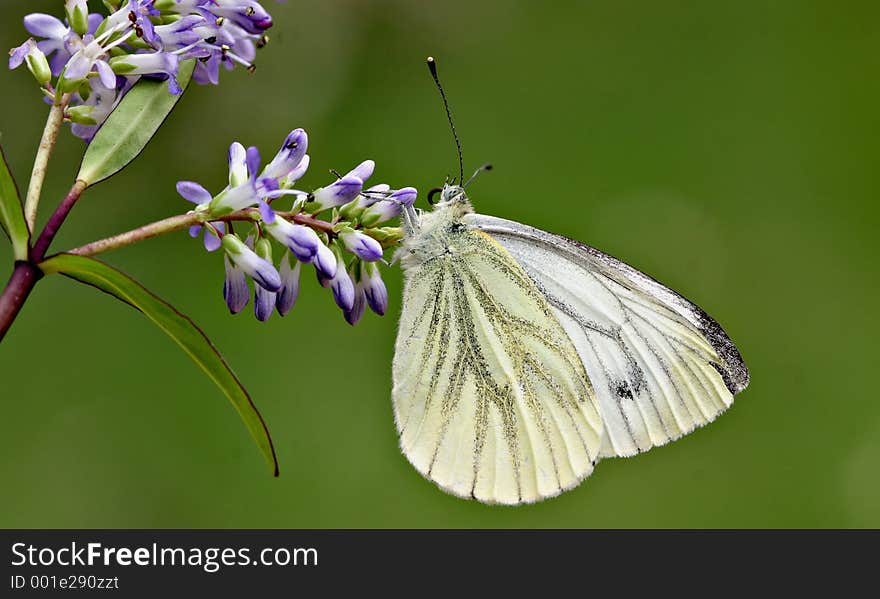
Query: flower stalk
21	283
56	220
184	221
41	162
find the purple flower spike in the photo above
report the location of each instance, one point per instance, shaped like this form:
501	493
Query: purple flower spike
195	230
286	298
363	246
193	192
235	288
338	193
289	156
374	288
301	240
325	262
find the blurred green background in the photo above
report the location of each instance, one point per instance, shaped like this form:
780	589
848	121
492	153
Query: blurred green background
729	149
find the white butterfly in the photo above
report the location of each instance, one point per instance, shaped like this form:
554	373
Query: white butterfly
524	357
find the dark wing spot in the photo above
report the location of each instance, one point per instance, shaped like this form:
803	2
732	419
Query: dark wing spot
621	388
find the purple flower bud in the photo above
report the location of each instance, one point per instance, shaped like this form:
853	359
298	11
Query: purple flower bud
289	156
252	158
193	192
363	246
358	306
325	262
337	193
342	287
77	15
374	194
286	298
264	303
36	61
363	171
389	208
374	288
153	63
259	269
237	157
235	288
297	173
299	239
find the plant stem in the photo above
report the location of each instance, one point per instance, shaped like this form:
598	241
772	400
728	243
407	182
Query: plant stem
56	220
22	281
184	221
41	162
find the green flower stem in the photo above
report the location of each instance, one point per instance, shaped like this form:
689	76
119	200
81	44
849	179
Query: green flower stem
184	221
41	162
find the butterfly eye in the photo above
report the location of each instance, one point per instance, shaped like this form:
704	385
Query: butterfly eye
432	193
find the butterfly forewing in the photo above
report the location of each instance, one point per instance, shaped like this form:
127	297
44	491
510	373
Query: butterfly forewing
490	395
660	366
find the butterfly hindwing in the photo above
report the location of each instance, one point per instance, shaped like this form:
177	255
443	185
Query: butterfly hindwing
490	396
660	366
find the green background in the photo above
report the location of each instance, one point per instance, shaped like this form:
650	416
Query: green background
728	149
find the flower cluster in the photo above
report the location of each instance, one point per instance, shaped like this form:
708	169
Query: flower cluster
344	250
96	59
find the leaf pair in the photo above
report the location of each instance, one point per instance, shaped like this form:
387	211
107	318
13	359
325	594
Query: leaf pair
120	139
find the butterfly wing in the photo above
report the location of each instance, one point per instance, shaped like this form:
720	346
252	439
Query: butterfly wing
490	397
659	364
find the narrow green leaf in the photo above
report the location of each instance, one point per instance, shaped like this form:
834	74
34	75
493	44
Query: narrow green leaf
130	126
177	326
11	211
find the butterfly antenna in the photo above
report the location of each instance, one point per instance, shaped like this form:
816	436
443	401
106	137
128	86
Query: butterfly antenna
432	66
485	167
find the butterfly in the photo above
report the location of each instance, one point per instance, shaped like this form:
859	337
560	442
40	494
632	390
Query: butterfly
523	357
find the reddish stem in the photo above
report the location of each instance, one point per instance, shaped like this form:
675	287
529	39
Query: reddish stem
22	281
56	220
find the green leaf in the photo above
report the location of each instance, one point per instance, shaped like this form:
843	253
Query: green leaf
130	126
177	326
11	212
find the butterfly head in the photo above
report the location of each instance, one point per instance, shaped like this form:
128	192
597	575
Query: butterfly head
449	194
